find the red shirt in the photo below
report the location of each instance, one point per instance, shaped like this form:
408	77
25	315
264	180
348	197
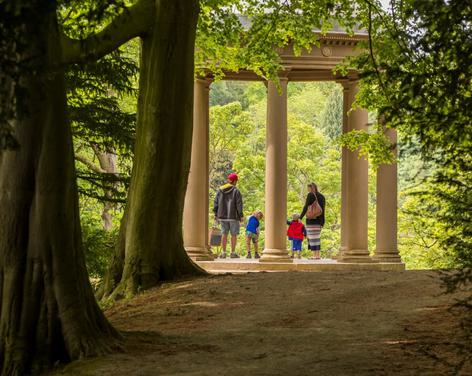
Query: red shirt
296	230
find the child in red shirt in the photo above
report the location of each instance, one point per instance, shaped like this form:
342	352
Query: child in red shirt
296	233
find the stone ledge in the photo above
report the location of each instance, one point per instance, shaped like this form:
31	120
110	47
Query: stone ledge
251	265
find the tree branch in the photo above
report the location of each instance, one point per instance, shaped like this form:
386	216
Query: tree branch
89	164
133	22
371	51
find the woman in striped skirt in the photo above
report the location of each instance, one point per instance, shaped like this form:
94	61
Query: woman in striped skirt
314	226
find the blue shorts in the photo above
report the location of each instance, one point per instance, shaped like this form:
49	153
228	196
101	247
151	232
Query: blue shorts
251	235
296	244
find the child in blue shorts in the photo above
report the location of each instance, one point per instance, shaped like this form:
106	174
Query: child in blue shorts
296	232
252	233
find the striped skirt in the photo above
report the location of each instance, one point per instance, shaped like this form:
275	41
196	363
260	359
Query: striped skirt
313	233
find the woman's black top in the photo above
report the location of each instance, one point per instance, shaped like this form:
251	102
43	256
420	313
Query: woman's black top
310	199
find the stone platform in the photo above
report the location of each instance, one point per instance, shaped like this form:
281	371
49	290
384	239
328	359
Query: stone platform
244	265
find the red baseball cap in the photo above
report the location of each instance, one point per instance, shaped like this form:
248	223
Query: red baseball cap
232	177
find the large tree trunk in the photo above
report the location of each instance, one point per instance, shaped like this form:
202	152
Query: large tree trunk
47	309
153	241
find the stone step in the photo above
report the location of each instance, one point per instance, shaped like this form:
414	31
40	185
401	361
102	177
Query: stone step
252	265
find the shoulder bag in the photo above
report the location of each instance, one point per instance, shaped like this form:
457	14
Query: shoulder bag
314	210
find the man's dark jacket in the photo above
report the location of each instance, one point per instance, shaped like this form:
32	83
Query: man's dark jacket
228	203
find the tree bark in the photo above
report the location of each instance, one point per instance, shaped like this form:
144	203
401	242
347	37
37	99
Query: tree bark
47	309
107	160
153	239
134	21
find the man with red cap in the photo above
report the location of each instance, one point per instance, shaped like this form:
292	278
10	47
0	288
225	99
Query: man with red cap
228	209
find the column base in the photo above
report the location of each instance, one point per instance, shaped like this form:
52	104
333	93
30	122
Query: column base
275	255
340	253
356	256
200	254
387	256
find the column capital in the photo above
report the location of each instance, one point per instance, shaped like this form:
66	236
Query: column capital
282	79
282	75
206	81
348	83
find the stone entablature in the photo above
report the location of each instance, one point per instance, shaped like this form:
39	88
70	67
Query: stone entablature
314	65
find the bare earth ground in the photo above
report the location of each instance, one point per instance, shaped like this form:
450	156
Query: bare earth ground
294	323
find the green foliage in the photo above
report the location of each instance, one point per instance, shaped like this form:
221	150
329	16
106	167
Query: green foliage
102	107
224	92
308	101
94	93
375	147
418	234
98	122
81	18
332	116
235	34
418	76
249	163
229	128
98	243
101	128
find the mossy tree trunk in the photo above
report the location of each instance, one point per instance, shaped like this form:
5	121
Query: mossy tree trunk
150	247
153	239
47	309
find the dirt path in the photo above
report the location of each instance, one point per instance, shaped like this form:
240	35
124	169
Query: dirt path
330	323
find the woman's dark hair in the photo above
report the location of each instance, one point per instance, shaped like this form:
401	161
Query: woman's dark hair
313	186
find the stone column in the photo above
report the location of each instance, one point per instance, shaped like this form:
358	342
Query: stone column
357	195
386	219
344	171
276	175
196	199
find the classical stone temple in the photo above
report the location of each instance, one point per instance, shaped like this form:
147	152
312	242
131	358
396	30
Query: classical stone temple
314	65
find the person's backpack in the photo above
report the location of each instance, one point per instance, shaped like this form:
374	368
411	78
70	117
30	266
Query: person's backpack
314	210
